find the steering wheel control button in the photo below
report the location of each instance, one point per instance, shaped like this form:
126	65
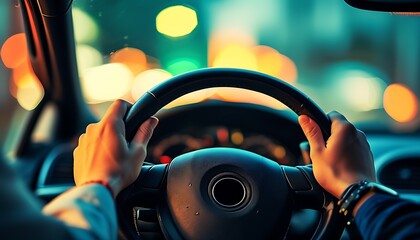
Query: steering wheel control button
296	179
153	176
228	191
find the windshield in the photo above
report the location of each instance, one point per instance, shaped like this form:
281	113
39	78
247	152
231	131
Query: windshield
361	63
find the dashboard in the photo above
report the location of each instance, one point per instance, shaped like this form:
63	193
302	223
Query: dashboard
271	133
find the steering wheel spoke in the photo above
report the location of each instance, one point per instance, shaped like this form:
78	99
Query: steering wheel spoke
144	193
302	183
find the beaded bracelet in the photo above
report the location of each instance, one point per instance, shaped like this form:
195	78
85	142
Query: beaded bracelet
103	183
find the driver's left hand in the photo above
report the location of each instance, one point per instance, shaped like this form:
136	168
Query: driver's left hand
103	154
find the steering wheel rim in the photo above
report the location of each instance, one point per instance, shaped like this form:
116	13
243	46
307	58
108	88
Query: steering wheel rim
158	180
159	96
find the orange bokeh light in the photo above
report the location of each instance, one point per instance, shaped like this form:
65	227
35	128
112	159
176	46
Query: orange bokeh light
271	62
247	96
400	103
14	51
133	58
25	85
220	40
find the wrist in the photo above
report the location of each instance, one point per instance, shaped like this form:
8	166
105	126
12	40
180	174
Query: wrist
103	183
361	202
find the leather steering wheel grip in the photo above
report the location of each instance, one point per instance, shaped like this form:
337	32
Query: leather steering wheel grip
158	97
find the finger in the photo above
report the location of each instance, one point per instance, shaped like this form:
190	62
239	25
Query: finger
336	116
145	131
339	123
117	109
312	132
113	118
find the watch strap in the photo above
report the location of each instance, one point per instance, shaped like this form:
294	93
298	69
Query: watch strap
355	192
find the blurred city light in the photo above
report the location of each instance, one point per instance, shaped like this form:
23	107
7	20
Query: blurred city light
355	87
182	65
193	97
220	39
236	56
85	28
133	58
400	103
25	86
106	82
31	94
14	51
271	62
176	21
87	57
362	91
248	96
147	80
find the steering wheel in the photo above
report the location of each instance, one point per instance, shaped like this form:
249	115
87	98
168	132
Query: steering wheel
225	193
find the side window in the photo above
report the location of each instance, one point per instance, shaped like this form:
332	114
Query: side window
14	77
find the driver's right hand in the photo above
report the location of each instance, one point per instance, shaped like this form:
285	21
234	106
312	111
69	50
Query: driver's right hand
345	158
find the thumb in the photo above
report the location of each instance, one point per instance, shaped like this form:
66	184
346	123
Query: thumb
145	131
312	132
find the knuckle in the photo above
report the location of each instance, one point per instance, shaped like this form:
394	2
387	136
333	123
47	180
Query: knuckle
90	128
81	139
348	128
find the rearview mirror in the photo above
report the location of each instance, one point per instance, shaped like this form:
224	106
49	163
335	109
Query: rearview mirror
386	5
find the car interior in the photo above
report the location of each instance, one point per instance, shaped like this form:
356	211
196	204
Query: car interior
227	80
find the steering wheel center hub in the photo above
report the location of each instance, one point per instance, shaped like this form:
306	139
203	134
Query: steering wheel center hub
220	193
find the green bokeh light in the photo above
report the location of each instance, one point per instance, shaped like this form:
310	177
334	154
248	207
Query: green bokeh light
182	65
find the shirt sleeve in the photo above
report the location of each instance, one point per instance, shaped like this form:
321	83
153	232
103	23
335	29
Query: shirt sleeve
88	211
388	217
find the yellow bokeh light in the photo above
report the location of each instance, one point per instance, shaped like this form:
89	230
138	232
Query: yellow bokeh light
361	91
176	21
85	27
237	138
236	56
106	82
400	103
29	95
25	86
133	58
87	57
147	80
271	62
248	96
193	97
222	38
279	152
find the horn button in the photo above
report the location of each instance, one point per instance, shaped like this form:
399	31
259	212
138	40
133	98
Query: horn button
225	193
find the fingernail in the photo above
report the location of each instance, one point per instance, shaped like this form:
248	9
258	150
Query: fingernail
303	119
154	121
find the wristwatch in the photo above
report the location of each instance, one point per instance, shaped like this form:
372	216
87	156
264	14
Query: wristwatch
357	191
